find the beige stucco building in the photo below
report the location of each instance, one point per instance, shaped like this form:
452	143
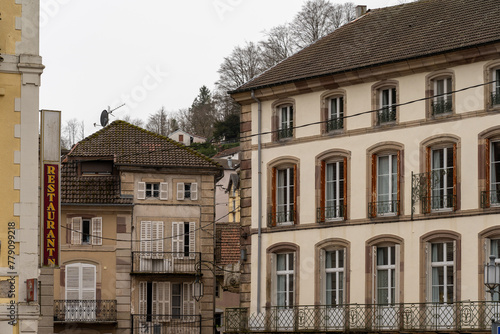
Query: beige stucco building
370	202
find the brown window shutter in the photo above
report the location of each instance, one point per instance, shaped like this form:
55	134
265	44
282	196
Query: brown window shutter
487	172
374	185
322	200
273	197
428	181
345	189
295	185
398	178
455	175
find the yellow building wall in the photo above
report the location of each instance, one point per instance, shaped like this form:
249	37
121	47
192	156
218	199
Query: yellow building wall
8	33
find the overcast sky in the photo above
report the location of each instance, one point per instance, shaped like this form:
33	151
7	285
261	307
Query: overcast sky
145	53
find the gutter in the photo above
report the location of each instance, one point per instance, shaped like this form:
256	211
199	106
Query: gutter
259	199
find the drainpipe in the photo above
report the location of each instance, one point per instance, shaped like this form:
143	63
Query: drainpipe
259	199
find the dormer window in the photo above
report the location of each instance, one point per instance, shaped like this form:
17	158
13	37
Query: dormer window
96	167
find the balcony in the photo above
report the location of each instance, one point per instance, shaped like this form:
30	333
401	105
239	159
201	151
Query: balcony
386	115
165	262
426	317
166	324
281	218
286	132
439	203
383	208
495	97
490	198
335	124
92	311
331	213
441	107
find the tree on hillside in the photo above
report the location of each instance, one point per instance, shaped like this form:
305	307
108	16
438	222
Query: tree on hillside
202	114
277	46
158	122
227	130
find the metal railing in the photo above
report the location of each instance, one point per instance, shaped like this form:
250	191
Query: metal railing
439	203
490	198
166	324
459	316
383	208
285	133
335	124
165	262
84	310
330	213
386	115
441	107
281	218
495	97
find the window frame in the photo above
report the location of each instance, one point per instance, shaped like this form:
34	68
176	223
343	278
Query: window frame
492	74
429	206
378	89
276	119
340	183
271	252
182	190
340	282
76	226
446	101
143	193
431	264
291	213
375	204
183	245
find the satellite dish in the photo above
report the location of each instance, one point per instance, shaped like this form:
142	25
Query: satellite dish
104	118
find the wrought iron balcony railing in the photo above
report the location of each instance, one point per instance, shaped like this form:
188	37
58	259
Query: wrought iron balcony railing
495	97
439	203
386	115
441	107
456	317
383	208
97	311
331	213
165	324
335	124
490	198
165	262
281	218
285	133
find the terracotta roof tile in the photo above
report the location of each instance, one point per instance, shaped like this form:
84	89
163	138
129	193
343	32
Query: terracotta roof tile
390	34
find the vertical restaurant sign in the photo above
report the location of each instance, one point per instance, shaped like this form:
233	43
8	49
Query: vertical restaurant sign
50	237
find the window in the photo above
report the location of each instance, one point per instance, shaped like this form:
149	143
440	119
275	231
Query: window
495	89
333	191
183	239
187	191
152	238
152	190
96	167
285	122
386	275
387	106
335	113
283	195
385	185
159	299
334	277
86	231
285	279
442	103
442	178
491	195
181	138
80	287
442	275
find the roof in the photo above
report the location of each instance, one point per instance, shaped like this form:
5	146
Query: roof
131	145
186	133
228	235
101	189
228	152
385	35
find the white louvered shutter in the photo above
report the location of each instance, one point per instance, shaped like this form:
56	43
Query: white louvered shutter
72	282
88	282
188	301
97	231
146	238
141	190
143	288
76	231
157	239
180	191
192	240
163	191
194	191
178	240
161	298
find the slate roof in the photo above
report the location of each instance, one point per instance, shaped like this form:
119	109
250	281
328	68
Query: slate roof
102	189
385	35
131	145
228	235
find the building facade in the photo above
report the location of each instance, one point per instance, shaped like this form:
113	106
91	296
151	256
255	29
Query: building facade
370	201
139	215
20	70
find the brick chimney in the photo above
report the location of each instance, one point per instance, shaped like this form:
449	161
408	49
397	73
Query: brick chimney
360	10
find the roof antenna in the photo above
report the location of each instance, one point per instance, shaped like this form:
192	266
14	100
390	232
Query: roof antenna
104	115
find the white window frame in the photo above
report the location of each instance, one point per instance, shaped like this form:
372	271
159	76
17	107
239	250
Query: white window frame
179	239
391	196
289	274
494	183
443	191
392	269
337	182
446	265
339	273
491	250
496	82
181	191
285	195
336	112
391	95
286	117
144	187
95	231
86	285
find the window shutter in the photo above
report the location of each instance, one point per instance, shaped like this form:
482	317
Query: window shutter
188	301
192	240
76	231
295	204
273	197
146	238
487	159
157	238
180	191
194	191
154	299
141	190
142	297
374	185
88	282
398	178
345	190
161	298
97	231
73	282
163	191
322	191
455	176
178	239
